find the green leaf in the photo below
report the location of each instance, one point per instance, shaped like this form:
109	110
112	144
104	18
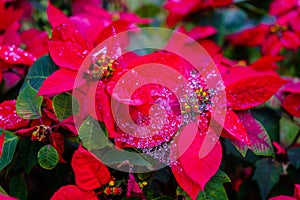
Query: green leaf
181	192
214	189
48	157
28	150
116	157
267	174
17	187
92	135
294	156
39	71
28	105
288	131
2	191
32	155
62	106
270	121
9	147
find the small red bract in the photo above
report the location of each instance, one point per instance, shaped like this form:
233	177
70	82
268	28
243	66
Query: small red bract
90	173
9	119
72	192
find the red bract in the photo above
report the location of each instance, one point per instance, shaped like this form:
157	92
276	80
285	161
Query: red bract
266	63
234	128
279	148
58	142
56	17
11	35
246	87
32	37
257	35
279	7
90	173
61	80
292	104
15	56
9	119
192	177
8	15
178	10
198	32
291	101
66	43
72	192
133	188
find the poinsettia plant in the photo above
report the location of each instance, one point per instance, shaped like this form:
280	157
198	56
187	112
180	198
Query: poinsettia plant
214	113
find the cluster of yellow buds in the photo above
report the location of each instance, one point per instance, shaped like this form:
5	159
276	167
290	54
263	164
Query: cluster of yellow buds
192	105
202	95
102	68
276	28
40	133
111	189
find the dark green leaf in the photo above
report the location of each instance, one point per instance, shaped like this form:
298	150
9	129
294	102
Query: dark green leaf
181	192
28	105
9	147
288	131
294	156
39	71
27	153
2	191
270	120
31	158
214	189
116	157
48	157
92	134
267	174
17	187
62	105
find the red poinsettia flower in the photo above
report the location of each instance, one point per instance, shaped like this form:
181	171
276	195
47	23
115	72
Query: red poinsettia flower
253	86
44	129
283	33
90	174
178	10
68	42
